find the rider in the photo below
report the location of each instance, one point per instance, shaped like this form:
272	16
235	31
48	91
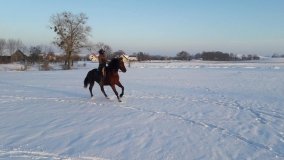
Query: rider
102	65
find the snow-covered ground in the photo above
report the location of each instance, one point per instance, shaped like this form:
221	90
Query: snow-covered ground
174	110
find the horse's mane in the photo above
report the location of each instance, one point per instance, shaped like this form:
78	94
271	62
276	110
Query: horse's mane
114	63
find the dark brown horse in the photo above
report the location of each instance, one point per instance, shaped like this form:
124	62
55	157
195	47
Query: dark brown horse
111	78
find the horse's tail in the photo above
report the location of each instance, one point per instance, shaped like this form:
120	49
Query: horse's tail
86	81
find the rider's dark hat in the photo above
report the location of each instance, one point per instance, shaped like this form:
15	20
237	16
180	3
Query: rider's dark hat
101	51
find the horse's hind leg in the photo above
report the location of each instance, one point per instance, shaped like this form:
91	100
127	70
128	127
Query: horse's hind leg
114	90
91	88
122	89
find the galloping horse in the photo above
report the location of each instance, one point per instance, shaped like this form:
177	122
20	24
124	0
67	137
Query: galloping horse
111	78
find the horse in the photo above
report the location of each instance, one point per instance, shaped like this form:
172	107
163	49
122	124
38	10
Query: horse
111	77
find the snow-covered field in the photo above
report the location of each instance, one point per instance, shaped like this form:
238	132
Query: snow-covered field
174	110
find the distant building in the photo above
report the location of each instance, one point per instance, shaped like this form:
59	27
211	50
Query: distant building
93	58
133	58
18	56
127	58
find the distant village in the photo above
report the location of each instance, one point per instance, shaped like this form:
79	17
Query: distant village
47	60
20	57
38	57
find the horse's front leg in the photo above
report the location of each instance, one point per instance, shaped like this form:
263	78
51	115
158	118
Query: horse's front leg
122	88
103	90
114	90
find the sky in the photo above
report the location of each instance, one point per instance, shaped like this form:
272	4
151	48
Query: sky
157	27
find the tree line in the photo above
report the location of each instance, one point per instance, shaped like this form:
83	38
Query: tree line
275	55
206	56
42	53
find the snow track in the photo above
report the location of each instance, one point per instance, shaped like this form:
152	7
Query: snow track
211	127
27	155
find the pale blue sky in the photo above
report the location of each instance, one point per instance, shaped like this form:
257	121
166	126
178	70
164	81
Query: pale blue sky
162	27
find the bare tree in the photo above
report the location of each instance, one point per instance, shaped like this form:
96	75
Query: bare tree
105	47
71	33
11	46
35	53
2	49
118	53
20	45
45	49
183	55
141	56
2	46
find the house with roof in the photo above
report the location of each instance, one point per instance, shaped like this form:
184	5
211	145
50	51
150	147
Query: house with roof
93	57
127	58
17	56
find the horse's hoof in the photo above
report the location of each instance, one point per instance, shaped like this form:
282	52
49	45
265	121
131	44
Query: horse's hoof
121	95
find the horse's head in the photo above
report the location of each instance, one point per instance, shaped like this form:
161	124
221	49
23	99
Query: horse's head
121	64
117	63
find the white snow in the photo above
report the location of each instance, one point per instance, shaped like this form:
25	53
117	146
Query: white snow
172	110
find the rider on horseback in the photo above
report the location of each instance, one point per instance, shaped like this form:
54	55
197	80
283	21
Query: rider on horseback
102	65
